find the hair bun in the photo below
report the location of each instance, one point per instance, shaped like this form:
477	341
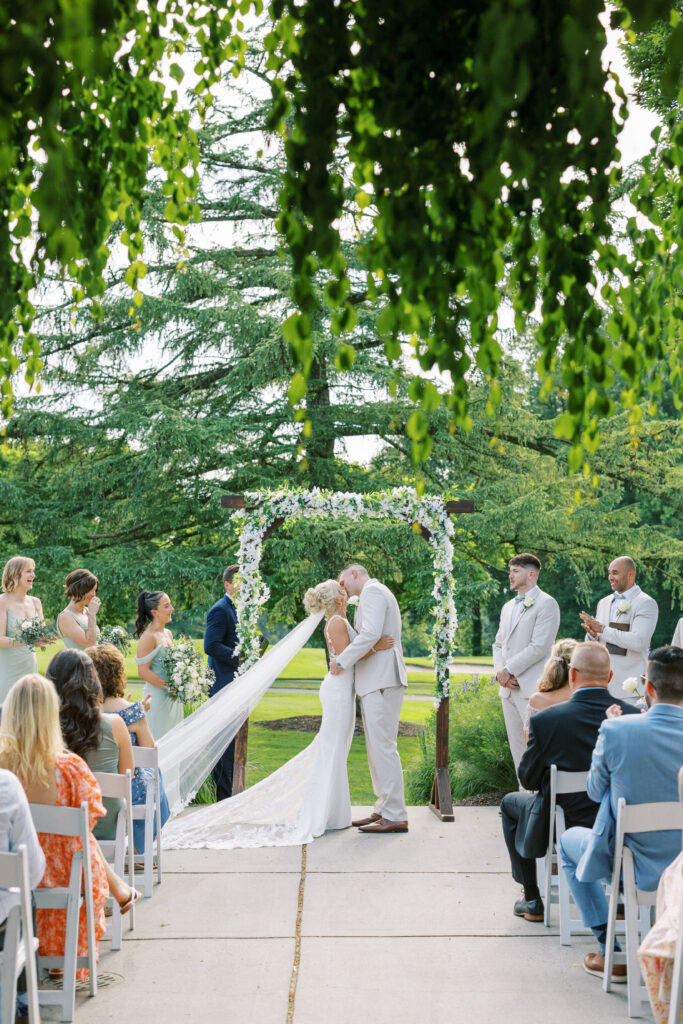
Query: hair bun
313	602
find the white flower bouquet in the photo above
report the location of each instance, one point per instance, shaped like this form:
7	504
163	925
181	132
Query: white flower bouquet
117	636
35	632
187	678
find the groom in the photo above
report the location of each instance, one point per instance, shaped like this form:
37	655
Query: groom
380	683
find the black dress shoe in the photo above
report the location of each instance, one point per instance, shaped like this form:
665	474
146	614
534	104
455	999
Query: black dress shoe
530	910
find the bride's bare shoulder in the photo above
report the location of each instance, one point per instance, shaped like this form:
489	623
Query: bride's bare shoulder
336	629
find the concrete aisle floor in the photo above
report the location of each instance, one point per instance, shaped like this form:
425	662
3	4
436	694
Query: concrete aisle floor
391	929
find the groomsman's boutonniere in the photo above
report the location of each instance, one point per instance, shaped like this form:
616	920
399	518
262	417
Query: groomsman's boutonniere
353	600
622	607
632	685
528	602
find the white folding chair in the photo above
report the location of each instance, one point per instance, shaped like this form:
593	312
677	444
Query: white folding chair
638	903
20	944
118	786
73	822
149	812
561	782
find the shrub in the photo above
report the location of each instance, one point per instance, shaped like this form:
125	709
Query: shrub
478	752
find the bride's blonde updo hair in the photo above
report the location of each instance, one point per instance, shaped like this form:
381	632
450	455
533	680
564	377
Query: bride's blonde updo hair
323	598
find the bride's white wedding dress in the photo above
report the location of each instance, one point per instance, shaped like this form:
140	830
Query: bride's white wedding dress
306	796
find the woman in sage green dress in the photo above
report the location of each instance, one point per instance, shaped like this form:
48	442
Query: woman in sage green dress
77	623
16	659
154	613
95	736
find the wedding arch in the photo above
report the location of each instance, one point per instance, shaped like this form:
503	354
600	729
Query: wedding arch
261	513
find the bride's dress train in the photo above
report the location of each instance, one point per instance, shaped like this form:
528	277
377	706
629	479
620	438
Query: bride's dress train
306	796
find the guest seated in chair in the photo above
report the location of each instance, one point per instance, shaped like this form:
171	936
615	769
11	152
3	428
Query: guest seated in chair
553	686
656	955
32	747
636	757
17	829
563	735
111	672
102	740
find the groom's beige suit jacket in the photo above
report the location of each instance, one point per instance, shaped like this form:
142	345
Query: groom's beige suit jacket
377	615
524	647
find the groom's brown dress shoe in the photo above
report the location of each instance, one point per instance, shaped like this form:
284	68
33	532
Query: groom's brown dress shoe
382	825
366	821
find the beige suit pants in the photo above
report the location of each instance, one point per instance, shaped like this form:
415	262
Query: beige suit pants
514	713
381	714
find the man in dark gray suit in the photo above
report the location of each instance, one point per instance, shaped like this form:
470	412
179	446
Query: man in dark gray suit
220	640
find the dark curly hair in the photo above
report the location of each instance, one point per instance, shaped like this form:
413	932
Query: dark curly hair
80	697
147	601
110	668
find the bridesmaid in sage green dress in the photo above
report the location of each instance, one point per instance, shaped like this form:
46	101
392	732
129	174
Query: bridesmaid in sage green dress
16	659
154	612
77	624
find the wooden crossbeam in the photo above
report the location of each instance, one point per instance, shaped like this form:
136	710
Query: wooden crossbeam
452	507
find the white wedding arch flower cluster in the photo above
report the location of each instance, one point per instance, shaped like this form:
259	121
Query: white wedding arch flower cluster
265	507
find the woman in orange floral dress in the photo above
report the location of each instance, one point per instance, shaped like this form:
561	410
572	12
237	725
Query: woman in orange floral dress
32	747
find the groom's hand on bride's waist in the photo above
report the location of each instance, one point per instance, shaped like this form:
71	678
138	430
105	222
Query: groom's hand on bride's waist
334	667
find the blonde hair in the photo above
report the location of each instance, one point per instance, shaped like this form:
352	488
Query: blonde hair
323	598
30	733
11	574
556	669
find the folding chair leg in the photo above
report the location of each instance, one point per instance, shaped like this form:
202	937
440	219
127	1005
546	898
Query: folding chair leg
611	933
632	966
565	909
70	945
157	806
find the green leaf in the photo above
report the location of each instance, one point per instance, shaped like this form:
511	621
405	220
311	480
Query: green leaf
297	389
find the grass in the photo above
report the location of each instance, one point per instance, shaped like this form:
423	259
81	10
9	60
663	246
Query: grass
268	750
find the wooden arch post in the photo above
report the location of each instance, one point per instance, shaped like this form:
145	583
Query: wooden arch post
441	801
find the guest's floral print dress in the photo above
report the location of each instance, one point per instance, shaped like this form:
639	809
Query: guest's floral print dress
75	783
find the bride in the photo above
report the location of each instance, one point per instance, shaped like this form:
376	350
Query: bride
309	793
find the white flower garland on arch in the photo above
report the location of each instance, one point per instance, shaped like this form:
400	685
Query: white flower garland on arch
264	507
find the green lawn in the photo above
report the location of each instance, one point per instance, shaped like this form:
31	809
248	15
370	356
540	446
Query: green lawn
268	750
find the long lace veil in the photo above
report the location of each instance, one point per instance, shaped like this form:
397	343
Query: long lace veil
189	751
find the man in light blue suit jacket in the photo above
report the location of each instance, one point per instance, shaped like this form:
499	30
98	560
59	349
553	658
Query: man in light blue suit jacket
636	757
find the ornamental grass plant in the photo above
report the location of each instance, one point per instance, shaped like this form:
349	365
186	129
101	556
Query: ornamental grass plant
478	752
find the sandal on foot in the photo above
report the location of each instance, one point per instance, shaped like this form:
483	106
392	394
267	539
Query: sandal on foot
133	896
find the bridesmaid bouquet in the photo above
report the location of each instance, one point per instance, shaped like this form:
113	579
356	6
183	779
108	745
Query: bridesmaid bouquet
117	636
188	680
35	633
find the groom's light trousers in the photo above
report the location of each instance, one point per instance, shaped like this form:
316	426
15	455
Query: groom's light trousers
381	714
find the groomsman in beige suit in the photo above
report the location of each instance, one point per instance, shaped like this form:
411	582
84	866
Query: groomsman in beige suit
527	631
624	623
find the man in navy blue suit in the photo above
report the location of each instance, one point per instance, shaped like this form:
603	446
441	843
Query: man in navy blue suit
637	757
220	640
